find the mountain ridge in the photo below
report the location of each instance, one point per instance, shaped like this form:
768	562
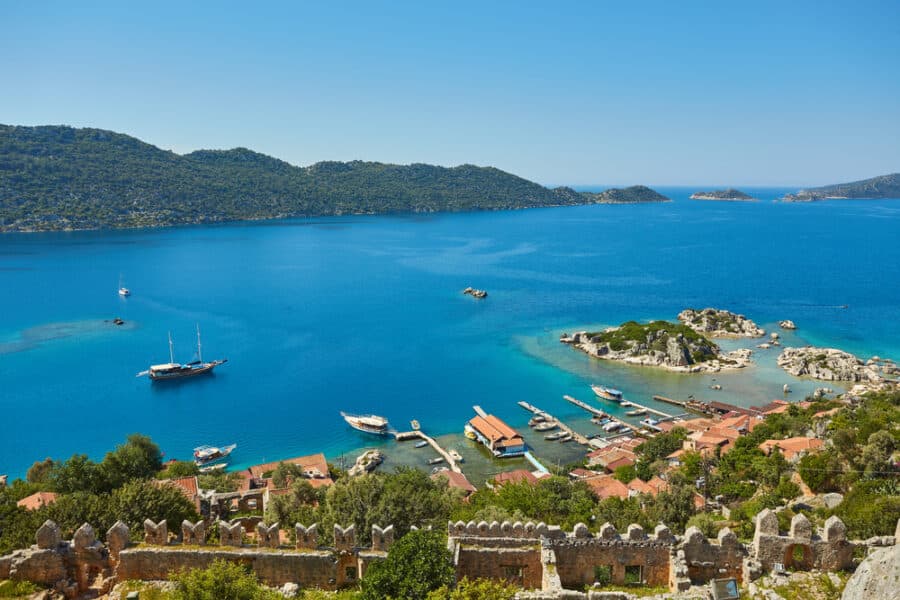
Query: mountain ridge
55	177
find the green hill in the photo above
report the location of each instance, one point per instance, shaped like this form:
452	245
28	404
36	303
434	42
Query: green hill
56	177
630	195
885	186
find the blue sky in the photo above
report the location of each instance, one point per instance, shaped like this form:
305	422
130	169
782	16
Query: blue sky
679	93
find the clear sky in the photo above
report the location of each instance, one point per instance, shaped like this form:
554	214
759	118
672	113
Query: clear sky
672	92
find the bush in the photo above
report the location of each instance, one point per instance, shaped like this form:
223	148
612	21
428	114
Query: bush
417	564
478	589
223	580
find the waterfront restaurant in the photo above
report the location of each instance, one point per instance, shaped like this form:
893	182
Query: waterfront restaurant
498	437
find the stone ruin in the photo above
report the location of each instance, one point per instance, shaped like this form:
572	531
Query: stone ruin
73	567
534	556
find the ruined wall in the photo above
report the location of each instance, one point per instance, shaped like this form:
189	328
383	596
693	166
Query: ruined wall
706	559
578	556
801	549
273	567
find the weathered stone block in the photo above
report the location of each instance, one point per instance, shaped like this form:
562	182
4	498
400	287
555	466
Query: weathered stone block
345	538
118	537
801	528
156	533
767	522
268	537
308	537
47	535
84	537
382	539
608	532
581	531
635	532
230	534
193	533
727	537
663	533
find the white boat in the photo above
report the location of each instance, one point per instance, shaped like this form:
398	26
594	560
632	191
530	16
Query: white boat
435	461
213	468
608	393
611	426
651	423
367	423
204	455
174	370
636	412
123	291
421	444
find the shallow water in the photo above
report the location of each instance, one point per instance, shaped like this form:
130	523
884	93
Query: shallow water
365	314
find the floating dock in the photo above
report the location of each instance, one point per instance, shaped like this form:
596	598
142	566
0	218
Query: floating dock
598	413
410	435
576	437
650	410
691	405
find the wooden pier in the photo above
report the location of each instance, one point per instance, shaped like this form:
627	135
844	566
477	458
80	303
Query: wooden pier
650	410
577	437
691	405
419	434
599	413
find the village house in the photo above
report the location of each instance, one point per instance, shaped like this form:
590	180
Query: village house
793	449
455	481
498	437
37	500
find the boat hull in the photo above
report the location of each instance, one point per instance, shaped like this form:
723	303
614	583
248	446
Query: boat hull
185	371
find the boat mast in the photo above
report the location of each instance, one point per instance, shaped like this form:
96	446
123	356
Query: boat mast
199	354
171	349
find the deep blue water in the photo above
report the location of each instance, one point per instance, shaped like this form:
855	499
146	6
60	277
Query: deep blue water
366	314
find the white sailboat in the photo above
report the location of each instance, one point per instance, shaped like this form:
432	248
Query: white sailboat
123	291
174	370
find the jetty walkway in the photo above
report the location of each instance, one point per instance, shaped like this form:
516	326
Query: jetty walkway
419	434
598	413
577	437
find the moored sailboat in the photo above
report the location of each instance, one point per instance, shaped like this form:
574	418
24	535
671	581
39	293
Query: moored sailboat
174	370
367	423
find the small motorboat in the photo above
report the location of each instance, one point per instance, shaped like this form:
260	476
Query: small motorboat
436	461
636	412
546	426
566	437
650	423
421	444
554	436
213	468
415	424
599	420
611	426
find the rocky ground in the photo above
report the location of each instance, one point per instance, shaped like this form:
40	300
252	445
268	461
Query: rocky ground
813	585
720	323
671	352
830	364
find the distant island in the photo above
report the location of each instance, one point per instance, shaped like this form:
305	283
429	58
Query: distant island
730	194
630	195
883	187
63	178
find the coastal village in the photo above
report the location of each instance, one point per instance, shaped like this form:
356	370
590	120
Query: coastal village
615	468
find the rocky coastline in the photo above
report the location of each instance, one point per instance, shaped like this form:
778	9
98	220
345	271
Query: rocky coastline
831	364
720	323
669	346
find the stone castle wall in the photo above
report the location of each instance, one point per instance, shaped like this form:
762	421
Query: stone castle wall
531	555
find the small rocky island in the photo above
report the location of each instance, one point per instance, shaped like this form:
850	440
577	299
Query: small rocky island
830	364
636	194
672	346
730	195
475	293
720	323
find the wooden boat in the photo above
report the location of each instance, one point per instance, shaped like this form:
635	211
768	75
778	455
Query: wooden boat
174	370
546	426
436	461
554	436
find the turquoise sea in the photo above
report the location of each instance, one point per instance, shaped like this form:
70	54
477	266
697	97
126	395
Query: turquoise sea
364	313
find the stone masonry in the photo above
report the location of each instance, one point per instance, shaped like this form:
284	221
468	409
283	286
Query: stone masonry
533	556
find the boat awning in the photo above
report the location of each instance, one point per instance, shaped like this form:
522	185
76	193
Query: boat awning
164	367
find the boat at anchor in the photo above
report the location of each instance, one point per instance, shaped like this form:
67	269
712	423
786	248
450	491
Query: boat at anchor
205	455
608	393
174	370
367	423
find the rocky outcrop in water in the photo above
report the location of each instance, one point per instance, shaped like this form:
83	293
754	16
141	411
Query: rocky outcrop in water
787	324
830	364
475	293
719	323
672	346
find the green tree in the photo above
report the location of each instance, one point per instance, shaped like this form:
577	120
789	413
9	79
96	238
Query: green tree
478	589
285	473
78	474
223	580
876	454
40	471
139	500
137	458
417	564
181	468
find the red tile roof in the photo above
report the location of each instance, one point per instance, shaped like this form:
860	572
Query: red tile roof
792	447
455	480
606	486
314	463
516	476
37	500
493	428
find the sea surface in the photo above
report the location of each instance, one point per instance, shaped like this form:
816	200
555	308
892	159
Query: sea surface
366	314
